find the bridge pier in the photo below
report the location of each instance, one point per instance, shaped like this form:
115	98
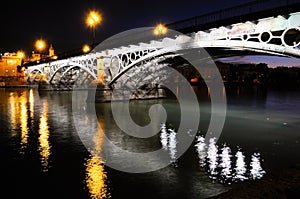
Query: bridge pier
105	94
44	86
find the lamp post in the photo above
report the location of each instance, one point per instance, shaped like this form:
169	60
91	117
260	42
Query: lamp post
93	19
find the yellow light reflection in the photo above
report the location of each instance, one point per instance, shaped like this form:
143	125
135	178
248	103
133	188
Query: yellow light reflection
31	101
95	174
23	121
13	112
44	145
96	178
19	117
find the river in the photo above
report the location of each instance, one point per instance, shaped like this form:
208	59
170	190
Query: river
43	156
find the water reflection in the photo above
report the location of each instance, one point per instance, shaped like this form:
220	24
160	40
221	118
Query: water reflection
219	163
256	171
168	141
44	145
18	117
212	157
240	166
96	175
201	150
13	112
225	164
31	102
23	121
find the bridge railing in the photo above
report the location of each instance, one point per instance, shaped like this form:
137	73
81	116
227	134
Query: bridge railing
241	10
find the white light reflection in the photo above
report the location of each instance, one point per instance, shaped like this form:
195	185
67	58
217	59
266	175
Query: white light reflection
169	142
219	162
240	166
172	145
212	156
256	171
225	164
201	150
164	137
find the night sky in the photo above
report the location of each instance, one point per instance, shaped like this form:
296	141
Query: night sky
62	22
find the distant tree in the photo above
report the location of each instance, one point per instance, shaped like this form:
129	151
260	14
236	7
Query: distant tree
263	71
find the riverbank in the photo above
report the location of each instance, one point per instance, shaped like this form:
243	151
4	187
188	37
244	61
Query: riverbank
284	184
19	86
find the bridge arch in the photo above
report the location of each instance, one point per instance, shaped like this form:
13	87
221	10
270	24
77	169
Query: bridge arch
32	74
69	66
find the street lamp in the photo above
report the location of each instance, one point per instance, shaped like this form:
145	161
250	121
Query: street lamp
160	29
93	19
40	45
86	49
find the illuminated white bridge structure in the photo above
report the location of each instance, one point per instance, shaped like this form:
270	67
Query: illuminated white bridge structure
118	65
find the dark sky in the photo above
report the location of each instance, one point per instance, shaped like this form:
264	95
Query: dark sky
62	22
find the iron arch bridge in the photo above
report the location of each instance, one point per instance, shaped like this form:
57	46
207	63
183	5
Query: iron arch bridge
122	65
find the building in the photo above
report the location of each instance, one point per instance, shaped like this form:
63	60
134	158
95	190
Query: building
37	57
9	63
11	72
12	66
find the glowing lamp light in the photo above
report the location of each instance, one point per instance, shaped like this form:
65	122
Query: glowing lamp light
86	48
160	29
40	45
20	54
93	18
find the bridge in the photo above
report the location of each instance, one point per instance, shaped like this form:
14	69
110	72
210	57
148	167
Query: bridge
119	61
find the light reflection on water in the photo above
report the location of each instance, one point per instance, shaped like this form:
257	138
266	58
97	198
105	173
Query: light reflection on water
169	141
96	175
23	121
220	162
44	144
40	129
13	111
18	117
19	105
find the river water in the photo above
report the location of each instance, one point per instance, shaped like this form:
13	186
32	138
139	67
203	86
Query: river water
43	156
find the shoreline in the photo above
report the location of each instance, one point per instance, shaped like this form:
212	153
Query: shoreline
19	86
